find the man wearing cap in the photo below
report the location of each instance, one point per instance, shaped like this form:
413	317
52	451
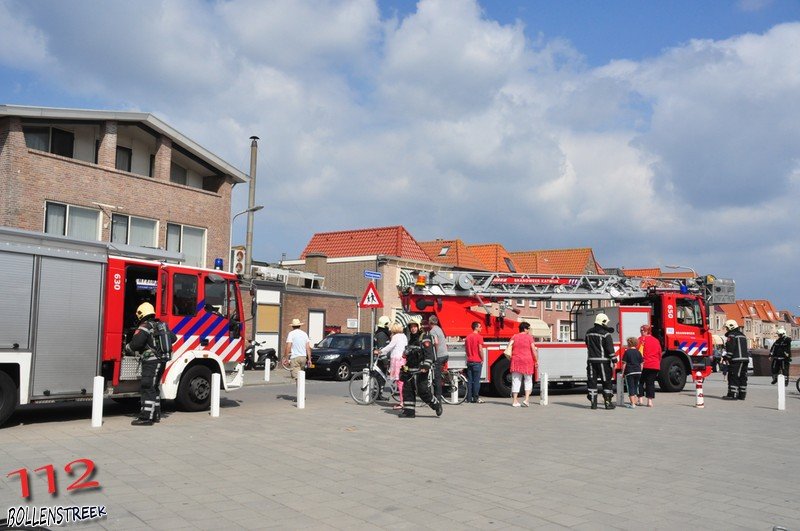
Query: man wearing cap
298	348
781	354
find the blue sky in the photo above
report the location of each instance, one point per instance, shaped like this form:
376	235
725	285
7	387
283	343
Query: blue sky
654	132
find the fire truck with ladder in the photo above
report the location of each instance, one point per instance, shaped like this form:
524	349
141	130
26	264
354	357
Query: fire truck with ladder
68	307
677	310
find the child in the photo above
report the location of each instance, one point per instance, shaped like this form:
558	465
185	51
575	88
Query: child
395	349
632	370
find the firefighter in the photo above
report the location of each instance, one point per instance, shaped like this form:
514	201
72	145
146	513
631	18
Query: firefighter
736	354
781	354
382	335
415	374
600	360
144	344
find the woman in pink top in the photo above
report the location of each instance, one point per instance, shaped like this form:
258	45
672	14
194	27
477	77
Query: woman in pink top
523	364
651	351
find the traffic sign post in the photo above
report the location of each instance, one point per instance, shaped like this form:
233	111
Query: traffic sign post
372	300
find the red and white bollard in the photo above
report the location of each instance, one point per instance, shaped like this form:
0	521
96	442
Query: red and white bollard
698	385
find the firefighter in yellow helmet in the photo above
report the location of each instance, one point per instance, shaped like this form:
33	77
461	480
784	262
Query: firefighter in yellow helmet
152	342
736	354
420	358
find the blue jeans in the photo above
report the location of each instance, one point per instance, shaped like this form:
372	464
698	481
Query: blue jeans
473	380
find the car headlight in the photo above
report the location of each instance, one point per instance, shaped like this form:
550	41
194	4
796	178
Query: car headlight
329	357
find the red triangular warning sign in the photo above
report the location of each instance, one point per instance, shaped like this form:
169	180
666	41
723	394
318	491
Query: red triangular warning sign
371	298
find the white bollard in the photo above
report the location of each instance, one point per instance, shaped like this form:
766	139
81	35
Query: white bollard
301	390
544	390
781	392
453	388
699	401
267	363
215	395
620	389
97	401
365	385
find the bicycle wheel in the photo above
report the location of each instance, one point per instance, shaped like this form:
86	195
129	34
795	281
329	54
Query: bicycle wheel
395	391
447	388
797	384
360	394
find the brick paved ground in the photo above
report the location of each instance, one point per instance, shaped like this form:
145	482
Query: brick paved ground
335	465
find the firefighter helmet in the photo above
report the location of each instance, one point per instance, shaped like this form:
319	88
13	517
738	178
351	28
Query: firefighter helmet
601	319
730	324
415	320
781	331
145	309
383	322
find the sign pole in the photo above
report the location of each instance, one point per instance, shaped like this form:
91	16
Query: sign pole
372	341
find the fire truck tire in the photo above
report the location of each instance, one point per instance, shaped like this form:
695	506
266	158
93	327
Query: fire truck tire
501	376
8	397
194	391
672	376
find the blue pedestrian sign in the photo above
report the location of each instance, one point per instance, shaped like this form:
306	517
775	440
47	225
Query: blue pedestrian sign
374	275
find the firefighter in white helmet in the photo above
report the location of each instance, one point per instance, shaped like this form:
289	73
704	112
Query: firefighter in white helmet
382	335
781	354
600	361
152	341
415	374
736	354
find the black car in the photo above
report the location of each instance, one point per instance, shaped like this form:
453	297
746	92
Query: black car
338	356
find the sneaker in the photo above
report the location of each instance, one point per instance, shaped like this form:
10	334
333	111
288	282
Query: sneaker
525	404
141	422
629	406
515	404
481	401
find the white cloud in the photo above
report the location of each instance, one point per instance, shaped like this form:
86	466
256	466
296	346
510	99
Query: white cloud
455	125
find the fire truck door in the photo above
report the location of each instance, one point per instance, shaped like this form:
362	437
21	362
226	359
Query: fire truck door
68	320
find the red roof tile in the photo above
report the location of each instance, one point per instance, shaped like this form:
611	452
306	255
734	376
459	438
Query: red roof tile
654	272
388	241
457	254
577	261
493	256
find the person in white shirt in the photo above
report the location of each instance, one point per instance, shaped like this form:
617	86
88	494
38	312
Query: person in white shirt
298	349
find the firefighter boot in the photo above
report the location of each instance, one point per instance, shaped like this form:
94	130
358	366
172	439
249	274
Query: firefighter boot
407	414
141	422
742	395
774	379
594	401
609	401
438	408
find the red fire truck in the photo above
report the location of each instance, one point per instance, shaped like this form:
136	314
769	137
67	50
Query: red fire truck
677	309
68	307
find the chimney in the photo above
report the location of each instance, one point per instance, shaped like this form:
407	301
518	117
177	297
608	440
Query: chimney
317	263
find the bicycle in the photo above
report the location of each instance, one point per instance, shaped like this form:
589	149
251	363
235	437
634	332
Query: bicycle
452	377
377	383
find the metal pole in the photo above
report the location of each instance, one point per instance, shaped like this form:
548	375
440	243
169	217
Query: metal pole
620	389
215	395
301	389
781	392
97	401
544	390
372	340
248	258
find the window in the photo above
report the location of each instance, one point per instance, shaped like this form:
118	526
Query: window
191	241
56	141
124	156
548	305
444	250
563	331
559	306
510	264
688	312
177	174
534	304
184	294
72	221
134	231
216	296
567	306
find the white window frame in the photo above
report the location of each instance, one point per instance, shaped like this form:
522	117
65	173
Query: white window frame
204	259
548	305
559	306
66	220
564	331
154	243
534	304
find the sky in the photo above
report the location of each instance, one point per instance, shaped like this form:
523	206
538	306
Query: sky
657	133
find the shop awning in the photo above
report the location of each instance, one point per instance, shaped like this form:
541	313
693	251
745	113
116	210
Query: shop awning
538	327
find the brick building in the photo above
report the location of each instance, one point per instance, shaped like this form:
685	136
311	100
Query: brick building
123	177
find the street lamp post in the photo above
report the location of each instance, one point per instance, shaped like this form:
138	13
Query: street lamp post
683	267
230	238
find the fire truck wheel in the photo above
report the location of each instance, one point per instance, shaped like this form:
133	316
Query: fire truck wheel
194	391
672	376
501	376
8	397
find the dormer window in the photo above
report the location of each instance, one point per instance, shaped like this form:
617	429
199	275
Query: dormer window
444	250
510	265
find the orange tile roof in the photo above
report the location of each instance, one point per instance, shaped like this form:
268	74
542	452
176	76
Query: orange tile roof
493	256
643	272
761	309
735	311
458	255
557	261
388	241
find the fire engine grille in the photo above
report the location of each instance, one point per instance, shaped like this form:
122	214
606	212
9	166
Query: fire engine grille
131	368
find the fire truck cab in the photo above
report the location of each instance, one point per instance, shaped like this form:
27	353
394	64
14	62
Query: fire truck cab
68	308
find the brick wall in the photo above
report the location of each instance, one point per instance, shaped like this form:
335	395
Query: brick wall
30	177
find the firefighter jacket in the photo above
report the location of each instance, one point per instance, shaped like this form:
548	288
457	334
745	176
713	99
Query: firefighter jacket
420	352
599	343
736	345
781	348
143	342
382	337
